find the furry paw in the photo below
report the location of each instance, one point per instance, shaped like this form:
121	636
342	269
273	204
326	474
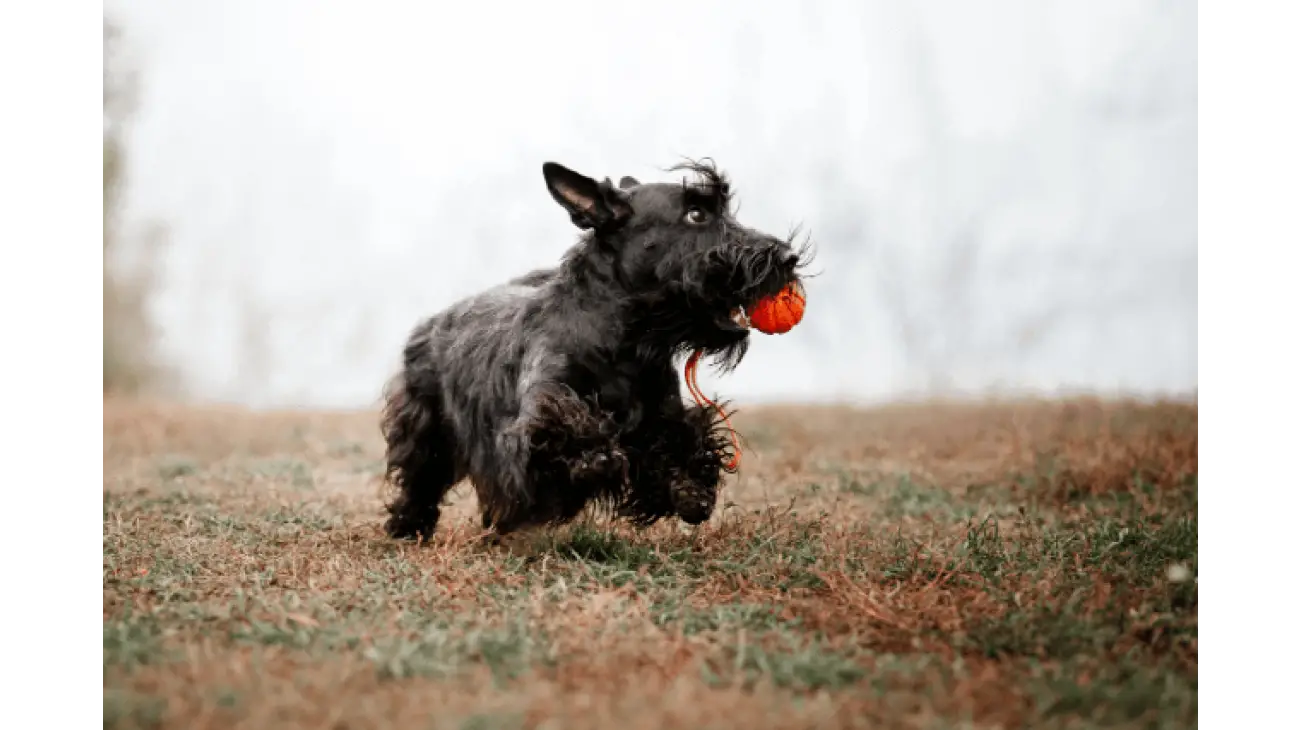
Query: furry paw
692	503
602	466
412	523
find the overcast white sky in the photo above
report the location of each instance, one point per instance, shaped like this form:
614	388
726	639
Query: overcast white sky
1003	193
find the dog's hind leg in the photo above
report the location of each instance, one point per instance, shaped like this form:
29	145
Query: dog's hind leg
421	460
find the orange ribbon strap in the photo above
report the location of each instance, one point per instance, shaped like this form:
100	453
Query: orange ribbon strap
700	399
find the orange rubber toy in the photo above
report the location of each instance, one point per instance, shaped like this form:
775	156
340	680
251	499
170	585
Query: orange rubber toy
779	314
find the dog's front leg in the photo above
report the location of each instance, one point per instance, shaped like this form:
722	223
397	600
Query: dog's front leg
679	458
708	454
556	456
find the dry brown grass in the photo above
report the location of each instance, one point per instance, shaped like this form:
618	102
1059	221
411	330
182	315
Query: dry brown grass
925	566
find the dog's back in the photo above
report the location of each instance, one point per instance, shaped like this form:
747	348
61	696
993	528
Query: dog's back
477	336
474	348
536	277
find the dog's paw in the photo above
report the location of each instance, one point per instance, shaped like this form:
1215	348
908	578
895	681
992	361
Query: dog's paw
707	469
417	528
604	465
692	502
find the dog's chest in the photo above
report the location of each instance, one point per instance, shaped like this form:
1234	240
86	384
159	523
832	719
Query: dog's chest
628	389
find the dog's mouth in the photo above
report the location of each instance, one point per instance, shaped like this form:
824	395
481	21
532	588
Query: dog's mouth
739	318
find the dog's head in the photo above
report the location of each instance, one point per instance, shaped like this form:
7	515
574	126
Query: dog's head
687	267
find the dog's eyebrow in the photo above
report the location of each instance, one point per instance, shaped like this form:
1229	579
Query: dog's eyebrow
711	188
707	197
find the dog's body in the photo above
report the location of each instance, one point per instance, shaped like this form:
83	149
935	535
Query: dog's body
557	388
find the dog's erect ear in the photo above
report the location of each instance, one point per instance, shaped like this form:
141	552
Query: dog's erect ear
628	182
590	204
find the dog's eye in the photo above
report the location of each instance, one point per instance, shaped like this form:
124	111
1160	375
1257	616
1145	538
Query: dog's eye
696	217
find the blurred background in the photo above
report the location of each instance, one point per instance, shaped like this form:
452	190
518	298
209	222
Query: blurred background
1002	194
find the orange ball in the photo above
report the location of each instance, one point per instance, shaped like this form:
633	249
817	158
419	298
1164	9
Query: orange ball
779	314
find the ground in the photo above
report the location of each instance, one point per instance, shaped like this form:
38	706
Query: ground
997	565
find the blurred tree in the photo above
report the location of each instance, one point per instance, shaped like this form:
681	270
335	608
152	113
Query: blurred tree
129	358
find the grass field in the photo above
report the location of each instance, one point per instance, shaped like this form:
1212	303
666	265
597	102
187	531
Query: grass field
1029	564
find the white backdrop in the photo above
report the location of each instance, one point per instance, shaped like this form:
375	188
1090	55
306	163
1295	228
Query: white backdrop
1003	194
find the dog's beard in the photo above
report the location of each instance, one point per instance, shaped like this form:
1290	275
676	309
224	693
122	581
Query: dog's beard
704	300
726	359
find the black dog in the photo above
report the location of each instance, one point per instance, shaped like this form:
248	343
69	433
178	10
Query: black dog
557	389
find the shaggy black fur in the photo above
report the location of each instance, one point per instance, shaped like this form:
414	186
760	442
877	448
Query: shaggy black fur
557	389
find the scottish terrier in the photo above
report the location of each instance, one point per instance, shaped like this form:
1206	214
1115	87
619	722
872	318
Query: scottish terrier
556	389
